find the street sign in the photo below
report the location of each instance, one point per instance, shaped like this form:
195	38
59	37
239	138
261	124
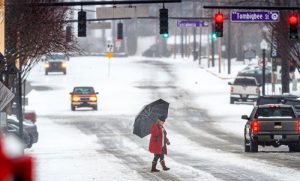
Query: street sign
109	47
5	96
191	23
122	12
97	26
254	16
109	55
274	51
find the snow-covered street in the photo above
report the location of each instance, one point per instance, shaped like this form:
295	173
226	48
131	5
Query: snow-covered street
205	131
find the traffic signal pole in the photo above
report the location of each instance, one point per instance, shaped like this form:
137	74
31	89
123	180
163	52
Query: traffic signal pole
264	73
229	47
212	48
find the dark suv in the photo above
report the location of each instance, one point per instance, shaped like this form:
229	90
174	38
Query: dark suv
84	97
56	63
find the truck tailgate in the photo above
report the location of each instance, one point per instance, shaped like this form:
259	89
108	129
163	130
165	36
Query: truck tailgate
238	89
278	125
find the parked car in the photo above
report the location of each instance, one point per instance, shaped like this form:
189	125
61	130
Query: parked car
295	103
244	89
56	63
15	130
272	125
31	134
256	72
84	97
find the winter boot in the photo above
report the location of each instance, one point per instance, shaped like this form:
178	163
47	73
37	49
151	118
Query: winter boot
153	169
163	165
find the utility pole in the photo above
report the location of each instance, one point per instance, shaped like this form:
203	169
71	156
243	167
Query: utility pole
194	33
285	77
212	47
181	34
229	47
19	102
264	73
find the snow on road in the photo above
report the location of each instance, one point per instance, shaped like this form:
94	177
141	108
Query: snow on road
65	153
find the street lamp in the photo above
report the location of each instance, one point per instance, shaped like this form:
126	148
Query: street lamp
264	46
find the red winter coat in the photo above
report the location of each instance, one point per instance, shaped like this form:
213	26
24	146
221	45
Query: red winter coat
155	145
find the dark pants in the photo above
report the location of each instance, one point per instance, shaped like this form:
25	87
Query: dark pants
158	156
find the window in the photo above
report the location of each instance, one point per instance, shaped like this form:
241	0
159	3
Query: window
244	81
84	90
275	112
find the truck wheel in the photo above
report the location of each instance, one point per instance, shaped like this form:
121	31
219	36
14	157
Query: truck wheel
294	147
65	72
46	73
73	108
231	101
95	108
253	146
247	147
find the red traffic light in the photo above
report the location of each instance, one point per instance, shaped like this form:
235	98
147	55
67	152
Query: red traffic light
219	18
293	19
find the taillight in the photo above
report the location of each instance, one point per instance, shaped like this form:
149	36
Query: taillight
75	99
298	126
93	98
231	89
255	126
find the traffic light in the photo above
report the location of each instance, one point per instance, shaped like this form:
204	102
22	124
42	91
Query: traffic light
81	24
214	36
68	34
219	20
120	31
293	22
163	23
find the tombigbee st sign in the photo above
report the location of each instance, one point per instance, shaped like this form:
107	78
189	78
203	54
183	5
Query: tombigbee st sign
254	16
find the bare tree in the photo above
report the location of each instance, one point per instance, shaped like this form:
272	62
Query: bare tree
34	31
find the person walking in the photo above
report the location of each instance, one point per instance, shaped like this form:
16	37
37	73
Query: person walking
158	144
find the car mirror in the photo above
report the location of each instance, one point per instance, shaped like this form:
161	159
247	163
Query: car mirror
229	83
71	93
245	117
258	85
97	92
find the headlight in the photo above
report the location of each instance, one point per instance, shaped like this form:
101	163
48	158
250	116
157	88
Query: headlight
75	99
93	98
47	65
64	65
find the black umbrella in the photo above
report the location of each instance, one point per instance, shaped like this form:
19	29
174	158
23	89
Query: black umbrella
148	116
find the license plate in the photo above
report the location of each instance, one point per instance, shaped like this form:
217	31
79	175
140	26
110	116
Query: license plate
277	137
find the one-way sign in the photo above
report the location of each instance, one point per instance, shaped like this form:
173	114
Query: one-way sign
5	96
254	16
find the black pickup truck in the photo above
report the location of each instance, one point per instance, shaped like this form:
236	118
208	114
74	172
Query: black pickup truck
272	125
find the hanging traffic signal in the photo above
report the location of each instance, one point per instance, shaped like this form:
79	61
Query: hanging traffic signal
81	24
293	22
120	31
163	23
219	20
